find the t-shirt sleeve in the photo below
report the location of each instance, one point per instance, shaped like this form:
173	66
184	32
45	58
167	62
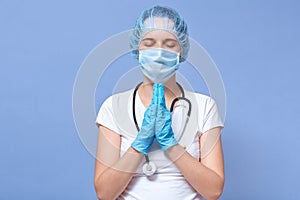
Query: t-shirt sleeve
212	118
105	116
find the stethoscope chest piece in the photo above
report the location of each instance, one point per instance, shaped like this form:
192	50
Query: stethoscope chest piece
149	168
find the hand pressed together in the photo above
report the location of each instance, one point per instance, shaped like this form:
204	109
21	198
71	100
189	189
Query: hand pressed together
157	123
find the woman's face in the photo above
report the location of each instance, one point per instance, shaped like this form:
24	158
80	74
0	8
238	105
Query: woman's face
160	39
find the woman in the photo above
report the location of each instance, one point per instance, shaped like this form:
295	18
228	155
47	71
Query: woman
160	42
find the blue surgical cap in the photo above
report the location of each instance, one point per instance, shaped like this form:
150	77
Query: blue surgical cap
172	22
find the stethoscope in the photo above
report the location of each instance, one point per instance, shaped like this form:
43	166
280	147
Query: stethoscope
149	167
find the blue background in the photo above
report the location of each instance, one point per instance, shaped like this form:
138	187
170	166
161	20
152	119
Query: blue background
255	45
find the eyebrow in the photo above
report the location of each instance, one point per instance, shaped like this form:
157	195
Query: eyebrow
151	39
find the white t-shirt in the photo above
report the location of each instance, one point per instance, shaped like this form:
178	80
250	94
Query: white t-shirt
167	182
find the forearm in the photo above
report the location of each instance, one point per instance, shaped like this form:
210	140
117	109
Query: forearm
113	181
204	180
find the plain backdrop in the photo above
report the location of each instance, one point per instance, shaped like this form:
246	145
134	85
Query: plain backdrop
255	45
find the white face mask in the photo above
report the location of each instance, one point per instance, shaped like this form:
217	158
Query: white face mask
158	64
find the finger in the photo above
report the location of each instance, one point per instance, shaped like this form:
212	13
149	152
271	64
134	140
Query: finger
155	94
161	95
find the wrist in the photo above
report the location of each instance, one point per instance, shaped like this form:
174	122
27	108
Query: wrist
170	143
175	152
135	151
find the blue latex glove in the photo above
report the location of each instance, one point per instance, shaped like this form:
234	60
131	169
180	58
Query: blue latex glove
145	136
163	125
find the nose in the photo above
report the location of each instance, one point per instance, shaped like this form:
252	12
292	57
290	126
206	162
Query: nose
159	44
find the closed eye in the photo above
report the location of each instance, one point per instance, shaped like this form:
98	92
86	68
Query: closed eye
148	42
171	43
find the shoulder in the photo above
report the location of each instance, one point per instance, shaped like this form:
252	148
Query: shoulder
113	108
121	96
202	103
207	111
200	98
